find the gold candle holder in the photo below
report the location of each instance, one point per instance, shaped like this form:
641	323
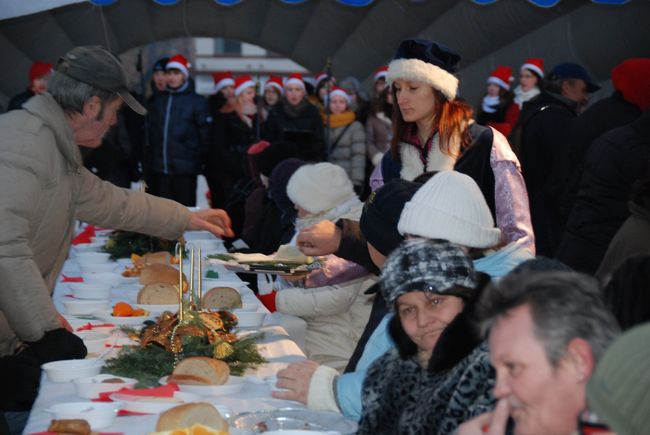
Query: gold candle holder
179	254
199	299
191	276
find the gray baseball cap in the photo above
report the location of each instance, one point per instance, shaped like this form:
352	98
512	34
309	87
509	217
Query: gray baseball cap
96	66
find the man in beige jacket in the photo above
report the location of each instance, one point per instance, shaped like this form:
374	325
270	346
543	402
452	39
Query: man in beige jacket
46	189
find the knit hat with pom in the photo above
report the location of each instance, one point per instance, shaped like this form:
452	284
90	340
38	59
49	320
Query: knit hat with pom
319	187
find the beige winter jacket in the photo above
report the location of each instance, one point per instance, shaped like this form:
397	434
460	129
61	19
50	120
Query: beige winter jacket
350	151
45	189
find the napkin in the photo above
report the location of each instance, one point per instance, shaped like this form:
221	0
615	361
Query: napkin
84	236
163	391
67	278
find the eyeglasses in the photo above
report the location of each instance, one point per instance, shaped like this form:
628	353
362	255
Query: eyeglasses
590	424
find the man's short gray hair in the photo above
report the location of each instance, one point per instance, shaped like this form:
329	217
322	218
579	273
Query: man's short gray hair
72	94
563	305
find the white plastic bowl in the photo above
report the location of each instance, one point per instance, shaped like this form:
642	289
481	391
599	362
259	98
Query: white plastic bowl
81	307
249	319
98	414
92	387
90	268
106	278
81	290
82	248
95	341
93	258
69	369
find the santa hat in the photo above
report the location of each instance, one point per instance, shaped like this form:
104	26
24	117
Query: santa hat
39	69
319	187
632	79
340	92
427	62
180	63
274	82
535	64
502	76
323	76
450	206
222	79
295	79
380	73
243	82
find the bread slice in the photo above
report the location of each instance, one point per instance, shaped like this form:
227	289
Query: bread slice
186	415
160	273
160	257
202	369
221	298
158	293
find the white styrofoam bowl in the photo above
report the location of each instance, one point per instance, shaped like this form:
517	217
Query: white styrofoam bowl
92	387
81	290
82	248
69	369
95	341
98	414
81	307
249	319
107	278
93	258
90	268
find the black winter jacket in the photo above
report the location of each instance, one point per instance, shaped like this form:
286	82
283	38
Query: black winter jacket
231	139
614	162
179	131
17	101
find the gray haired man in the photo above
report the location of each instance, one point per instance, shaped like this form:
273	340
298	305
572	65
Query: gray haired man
547	331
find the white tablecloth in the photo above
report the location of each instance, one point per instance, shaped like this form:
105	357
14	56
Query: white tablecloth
276	347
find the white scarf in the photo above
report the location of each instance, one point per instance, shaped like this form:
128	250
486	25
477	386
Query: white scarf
521	97
490	103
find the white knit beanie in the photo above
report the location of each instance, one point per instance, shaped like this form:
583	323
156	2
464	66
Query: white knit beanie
450	206
319	187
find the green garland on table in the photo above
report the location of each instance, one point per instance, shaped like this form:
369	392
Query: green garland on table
153	362
121	244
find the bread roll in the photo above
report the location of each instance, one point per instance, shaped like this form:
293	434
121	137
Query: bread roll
75	426
201	370
161	257
160	273
218	298
158	293
186	415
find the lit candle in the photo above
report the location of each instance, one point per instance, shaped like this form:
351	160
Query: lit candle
179	253
191	276
200	298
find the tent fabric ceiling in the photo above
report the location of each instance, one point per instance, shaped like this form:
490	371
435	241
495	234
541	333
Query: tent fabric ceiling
356	39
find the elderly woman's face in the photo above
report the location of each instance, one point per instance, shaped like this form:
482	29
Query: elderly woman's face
424	315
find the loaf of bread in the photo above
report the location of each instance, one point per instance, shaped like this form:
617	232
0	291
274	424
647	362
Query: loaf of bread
200	370
186	415
161	257
160	273
158	293
221	298
75	426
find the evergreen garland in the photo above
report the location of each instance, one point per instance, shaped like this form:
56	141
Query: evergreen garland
121	244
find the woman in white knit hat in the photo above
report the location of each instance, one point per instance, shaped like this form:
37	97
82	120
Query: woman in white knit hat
331	300
433	131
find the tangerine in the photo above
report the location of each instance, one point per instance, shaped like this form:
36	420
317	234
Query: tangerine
122	309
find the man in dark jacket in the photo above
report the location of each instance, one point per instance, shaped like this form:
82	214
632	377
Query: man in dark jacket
545	122
614	162
179	133
38	73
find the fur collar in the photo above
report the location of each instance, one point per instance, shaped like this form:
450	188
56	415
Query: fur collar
412	165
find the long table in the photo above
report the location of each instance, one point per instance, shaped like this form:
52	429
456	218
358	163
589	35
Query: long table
276	346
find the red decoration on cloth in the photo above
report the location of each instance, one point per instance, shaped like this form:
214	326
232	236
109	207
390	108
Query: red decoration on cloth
88	326
163	391
98	433
269	301
67	278
84	236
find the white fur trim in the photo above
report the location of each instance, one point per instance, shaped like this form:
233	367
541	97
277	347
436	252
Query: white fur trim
322	394
274	85
223	83
340	93
497	81
179	66
380	74
412	165
295	82
532	67
247	84
320	78
420	71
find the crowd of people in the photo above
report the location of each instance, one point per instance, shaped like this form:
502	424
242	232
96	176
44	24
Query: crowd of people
494	281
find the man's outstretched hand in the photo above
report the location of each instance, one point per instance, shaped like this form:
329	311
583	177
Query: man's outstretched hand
213	220
322	238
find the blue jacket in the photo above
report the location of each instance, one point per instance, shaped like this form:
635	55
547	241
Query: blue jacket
179	131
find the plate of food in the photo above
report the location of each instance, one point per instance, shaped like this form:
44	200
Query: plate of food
153	404
124	314
204	376
288	260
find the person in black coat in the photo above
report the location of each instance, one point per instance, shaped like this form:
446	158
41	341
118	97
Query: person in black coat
296	120
614	162
179	133
545	123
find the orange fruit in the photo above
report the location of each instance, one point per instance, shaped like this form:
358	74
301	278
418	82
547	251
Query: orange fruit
122	309
138	312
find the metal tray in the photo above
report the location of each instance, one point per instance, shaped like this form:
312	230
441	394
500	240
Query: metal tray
248	423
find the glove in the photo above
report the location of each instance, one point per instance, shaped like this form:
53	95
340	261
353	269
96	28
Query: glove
269	301
57	344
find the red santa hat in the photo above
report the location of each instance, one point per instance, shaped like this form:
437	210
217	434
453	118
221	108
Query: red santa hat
502	76
340	92
381	73
180	63
321	76
274	82
39	69
295	79
535	64
243	82
222	79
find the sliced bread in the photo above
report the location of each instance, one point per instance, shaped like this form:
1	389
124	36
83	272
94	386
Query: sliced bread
158	293
160	273
186	415
199	370
221	298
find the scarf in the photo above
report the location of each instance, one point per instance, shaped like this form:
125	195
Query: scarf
490	103
521	97
350	206
294	111
339	119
